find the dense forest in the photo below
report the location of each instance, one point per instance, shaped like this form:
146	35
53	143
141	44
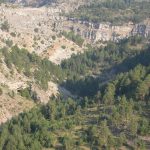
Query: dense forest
112	107
99	65
69	124
115	11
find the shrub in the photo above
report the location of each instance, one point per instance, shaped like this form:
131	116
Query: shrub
74	37
1	91
36	30
63	47
5	26
54	37
13	34
72	49
9	43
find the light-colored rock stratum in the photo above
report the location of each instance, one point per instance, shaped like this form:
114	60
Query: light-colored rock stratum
35	30
39	29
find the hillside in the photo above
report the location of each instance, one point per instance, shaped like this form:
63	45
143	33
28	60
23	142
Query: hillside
21	77
116	12
12	104
75	75
109	115
33	3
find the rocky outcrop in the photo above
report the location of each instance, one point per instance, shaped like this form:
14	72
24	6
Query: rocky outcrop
33	29
142	29
94	32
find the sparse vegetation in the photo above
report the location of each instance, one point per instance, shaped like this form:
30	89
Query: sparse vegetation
54	37
5	26
42	42
72	49
13	34
36	30
11	94
1	91
63	47
25	62
9	43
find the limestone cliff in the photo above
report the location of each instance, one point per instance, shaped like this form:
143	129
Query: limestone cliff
94	32
142	29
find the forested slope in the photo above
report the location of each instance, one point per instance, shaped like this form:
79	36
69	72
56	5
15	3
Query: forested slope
111	114
88	71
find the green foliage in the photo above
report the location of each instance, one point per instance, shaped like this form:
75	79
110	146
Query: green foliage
57	123
144	127
114	11
5	26
32	66
54	37
67	142
3	1
109	94
134	84
35	129
11	94
9	43
110	112
1	91
36	30
75	38
63	47
13	34
104	64
25	93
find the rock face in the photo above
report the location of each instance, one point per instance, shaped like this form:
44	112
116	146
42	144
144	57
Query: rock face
33	28
51	20
94	32
142	29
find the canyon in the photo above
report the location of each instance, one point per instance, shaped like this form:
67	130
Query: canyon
40	30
